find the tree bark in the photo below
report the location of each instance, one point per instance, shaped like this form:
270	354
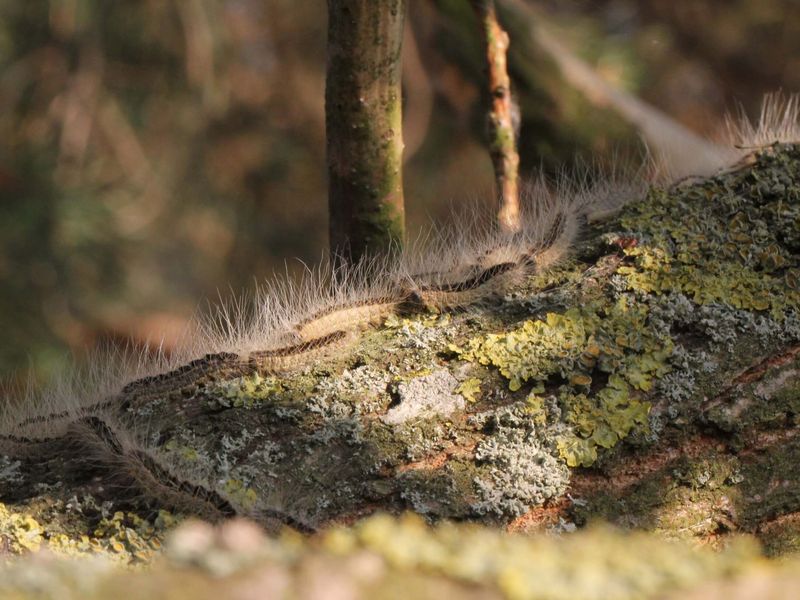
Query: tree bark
657	386
364	126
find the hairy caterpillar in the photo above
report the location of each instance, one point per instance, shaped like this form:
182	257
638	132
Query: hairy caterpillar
295	324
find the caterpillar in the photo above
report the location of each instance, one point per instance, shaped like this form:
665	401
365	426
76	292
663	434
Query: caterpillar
293	324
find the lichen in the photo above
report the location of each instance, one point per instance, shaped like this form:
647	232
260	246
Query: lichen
730	242
247	392
520	468
240	494
387	557
575	566
717	258
470	388
9	470
123	537
655	343
612	343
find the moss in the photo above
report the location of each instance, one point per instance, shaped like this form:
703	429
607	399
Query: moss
769	484
781	537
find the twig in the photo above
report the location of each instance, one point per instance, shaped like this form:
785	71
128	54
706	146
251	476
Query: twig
501	118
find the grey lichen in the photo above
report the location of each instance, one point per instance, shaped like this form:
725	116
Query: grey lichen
520	468
9	470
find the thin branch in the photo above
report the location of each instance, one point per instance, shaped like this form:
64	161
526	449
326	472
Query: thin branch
503	116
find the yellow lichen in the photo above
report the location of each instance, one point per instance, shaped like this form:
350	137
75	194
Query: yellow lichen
249	391
239	493
124	537
470	389
21	532
727	244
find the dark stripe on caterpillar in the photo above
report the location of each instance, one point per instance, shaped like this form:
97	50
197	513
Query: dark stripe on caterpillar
471	283
301	348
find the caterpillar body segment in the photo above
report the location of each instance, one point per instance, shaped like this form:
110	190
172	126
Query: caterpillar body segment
164	383
130	463
777	123
356	315
477	287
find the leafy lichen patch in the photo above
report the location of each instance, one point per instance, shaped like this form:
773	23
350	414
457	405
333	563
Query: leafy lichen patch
519	467
248	392
122	537
612	343
732	240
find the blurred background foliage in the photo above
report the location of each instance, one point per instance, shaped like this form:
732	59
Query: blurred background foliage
153	152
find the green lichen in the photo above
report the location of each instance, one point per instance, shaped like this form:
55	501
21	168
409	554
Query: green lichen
727	248
182	451
131	537
240	494
533	351
21	532
470	389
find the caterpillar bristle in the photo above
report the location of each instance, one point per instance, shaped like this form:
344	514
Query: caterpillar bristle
778	123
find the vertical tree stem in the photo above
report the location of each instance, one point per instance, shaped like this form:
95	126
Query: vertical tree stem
364	126
502	130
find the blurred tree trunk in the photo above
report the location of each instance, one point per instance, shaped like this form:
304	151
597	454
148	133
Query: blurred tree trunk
364	126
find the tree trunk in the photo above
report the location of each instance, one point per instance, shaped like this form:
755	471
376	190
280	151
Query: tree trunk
364	126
